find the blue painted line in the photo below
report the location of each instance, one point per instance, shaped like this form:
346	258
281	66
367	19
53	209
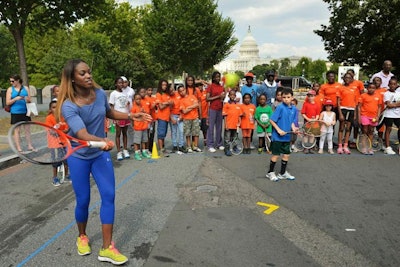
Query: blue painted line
69	226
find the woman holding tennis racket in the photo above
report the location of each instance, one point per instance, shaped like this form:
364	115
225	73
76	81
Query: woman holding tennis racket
84	105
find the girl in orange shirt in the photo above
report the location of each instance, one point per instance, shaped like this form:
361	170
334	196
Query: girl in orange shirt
189	106
247	123
369	109
231	112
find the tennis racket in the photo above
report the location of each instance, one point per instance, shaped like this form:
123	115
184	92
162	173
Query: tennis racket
309	133
363	142
236	145
267	141
40	143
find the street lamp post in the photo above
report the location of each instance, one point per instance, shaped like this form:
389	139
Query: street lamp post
303	69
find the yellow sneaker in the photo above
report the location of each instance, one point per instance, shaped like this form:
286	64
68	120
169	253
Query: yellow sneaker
82	243
111	254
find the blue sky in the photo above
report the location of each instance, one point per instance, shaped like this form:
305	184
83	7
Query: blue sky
281	28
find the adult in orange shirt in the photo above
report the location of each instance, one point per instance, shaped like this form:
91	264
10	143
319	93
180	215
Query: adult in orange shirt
347	101
163	110
231	112
330	90
248	122
369	109
189	106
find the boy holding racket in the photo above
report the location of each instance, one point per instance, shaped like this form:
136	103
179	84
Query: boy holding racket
283	122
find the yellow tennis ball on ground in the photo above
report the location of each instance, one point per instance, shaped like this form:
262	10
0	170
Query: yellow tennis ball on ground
231	80
373	120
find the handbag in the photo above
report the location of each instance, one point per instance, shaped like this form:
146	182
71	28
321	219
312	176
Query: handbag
8	107
31	109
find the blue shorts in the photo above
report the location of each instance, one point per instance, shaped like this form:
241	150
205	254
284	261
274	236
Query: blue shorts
162	127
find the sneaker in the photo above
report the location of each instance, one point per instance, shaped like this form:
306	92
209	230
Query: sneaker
190	150
56	181
294	149
389	151
346	151
228	153
111	254
126	154
285	176
272	176
196	149
119	156
306	151
137	156
82	243
174	149
370	152
182	149
145	154
330	151
68	179
339	150
321	151
221	148
212	150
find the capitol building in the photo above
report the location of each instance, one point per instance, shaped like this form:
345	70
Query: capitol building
248	57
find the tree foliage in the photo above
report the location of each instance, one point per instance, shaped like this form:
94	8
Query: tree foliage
188	35
8	54
363	32
42	14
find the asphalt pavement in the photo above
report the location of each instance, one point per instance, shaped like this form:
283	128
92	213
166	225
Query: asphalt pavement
206	209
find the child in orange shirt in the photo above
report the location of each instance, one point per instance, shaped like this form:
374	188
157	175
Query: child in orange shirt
247	122
369	109
231	112
189	106
163	105
56	148
347	100
140	137
204	113
381	91
152	125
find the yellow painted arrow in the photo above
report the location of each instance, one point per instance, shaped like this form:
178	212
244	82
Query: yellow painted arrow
271	207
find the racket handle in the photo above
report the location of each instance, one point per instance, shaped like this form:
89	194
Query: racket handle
98	144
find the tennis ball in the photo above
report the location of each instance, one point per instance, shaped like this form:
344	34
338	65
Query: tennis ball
231	80
373	120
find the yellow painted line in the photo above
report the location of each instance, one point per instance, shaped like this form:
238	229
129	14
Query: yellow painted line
271	207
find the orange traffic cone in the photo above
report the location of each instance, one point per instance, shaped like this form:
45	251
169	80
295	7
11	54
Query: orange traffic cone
154	152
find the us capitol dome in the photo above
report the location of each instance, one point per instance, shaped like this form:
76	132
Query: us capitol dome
248	57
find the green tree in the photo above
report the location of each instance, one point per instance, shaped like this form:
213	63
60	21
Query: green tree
42	14
188	35
274	64
317	71
284	67
260	70
362	32
8	55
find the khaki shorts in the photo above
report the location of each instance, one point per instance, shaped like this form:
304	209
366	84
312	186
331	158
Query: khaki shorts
191	127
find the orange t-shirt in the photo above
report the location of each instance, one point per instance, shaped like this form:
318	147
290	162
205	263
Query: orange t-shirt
319	99
370	104
349	96
330	91
52	141
232	113
196	92
381	92
189	100
248	120
163	114
152	101
204	104
139	125
176	109
359	84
